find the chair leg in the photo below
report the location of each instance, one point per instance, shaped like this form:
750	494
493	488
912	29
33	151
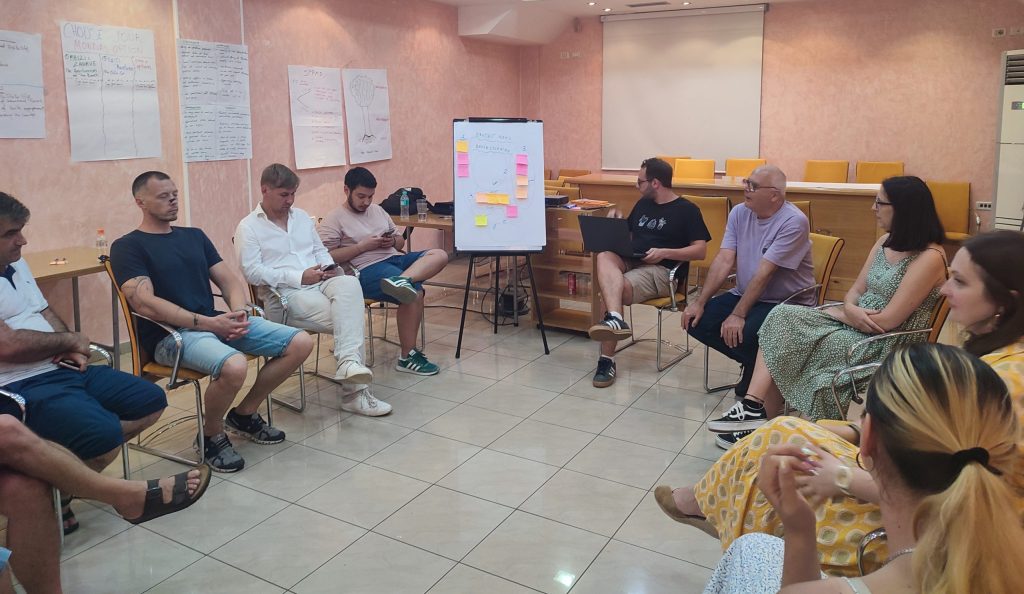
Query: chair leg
60	516
707	386
369	328
302	388
684	351
140	445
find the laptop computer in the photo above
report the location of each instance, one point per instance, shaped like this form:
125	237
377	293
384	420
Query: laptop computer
604	234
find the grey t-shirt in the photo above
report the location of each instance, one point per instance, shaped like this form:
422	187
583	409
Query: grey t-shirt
783	239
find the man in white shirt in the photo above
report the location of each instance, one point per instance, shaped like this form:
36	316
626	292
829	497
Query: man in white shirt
360	232
278	247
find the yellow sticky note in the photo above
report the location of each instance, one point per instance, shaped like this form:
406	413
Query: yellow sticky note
501	199
522	180
481	220
521	192
461	146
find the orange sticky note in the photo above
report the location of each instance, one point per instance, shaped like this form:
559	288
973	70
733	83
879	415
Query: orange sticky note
481	220
522	180
512	211
521	192
461	146
483	198
501	199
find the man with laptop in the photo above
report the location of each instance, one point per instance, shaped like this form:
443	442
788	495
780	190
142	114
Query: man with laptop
664	230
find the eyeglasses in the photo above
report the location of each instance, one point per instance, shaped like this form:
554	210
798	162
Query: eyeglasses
879	202
641	182
752	186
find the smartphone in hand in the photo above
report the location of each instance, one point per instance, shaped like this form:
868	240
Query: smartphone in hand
388	233
329	267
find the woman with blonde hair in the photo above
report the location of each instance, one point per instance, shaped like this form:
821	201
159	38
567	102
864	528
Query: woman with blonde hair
985	293
939	435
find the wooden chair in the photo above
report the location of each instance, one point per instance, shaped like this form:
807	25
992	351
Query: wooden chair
671	160
547	174
953	203
742	167
567	173
715	211
670	303
835	172
805	207
693	169
873	172
176	376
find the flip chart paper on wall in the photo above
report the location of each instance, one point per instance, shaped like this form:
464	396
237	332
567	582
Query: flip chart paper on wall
495	148
214	81
368	115
318	132
21	86
110	80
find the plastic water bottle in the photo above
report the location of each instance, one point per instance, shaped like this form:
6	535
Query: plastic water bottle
405	205
101	243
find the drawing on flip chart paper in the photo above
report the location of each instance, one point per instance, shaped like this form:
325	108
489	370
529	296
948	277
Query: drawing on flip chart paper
317	131
368	114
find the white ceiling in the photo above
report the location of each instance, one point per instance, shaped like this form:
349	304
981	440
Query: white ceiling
579	7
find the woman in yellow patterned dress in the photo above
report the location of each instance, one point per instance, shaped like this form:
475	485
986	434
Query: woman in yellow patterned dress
986	297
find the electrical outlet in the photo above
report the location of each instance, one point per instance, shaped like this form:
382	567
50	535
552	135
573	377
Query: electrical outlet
999	32
984	206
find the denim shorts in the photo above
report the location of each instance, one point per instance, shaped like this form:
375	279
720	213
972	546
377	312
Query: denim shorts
205	352
5	554
371	276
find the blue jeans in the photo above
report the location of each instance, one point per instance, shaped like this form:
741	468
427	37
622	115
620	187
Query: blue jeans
709	329
206	352
370	277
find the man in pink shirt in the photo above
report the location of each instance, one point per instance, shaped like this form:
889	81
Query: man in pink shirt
360	232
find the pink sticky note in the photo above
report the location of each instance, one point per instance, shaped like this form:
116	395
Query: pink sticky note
462	158
512	211
522	169
463	169
521	159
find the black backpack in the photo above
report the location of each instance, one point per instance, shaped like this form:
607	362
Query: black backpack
393	203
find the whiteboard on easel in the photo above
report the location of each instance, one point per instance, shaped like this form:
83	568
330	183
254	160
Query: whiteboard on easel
499	185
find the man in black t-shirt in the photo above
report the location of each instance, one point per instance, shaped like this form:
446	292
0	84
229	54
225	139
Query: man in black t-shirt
165	273
669	230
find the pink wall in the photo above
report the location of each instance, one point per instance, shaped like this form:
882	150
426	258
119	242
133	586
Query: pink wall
434	76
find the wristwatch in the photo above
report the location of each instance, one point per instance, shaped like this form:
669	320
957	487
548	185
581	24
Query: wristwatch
844	480
11	402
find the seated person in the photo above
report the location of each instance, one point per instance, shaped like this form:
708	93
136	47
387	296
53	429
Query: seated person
768	242
670	230
89	409
278	247
897	289
29	466
360	232
939	441
985	293
165	273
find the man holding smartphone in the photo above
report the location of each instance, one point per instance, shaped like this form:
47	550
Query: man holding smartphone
362	233
278	248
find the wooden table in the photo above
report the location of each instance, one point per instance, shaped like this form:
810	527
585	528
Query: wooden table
841	210
80	261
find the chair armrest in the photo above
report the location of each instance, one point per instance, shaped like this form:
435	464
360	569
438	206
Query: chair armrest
857	345
103	353
172	382
673	285
799	292
828	306
849	371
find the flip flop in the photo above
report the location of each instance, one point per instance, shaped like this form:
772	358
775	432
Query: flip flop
180	498
667	503
69	523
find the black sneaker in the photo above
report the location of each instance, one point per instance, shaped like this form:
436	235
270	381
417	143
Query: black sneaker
727	440
605	375
220	454
741	417
610	328
253	428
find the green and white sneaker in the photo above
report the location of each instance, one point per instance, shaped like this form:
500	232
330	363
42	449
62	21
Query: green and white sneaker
399	287
417	363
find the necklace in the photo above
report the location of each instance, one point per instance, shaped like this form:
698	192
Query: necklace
900	553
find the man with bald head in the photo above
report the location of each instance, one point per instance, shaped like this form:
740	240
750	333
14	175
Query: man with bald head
767	241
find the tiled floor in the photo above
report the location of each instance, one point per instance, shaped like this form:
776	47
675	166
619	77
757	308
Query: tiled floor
508	472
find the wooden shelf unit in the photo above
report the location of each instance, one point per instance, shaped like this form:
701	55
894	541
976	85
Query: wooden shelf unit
564	253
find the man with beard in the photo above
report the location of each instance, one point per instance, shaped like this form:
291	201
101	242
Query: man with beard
165	273
362	233
668	230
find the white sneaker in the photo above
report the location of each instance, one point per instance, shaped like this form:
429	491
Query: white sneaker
352	372
363	403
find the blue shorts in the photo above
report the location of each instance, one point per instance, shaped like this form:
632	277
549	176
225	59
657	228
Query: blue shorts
371	276
5	554
206	353
83	411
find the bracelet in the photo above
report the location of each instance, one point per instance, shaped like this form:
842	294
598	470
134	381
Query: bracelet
195	320
856	430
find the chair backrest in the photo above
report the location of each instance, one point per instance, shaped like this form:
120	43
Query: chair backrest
953	203
553	183
572	193
873	172
938	319
694	169
742	167
139	356
825	251
715	211
548	174
834	172
671	160
562	173
805	207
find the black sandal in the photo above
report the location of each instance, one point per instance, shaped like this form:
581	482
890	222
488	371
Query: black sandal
155	506
69	523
